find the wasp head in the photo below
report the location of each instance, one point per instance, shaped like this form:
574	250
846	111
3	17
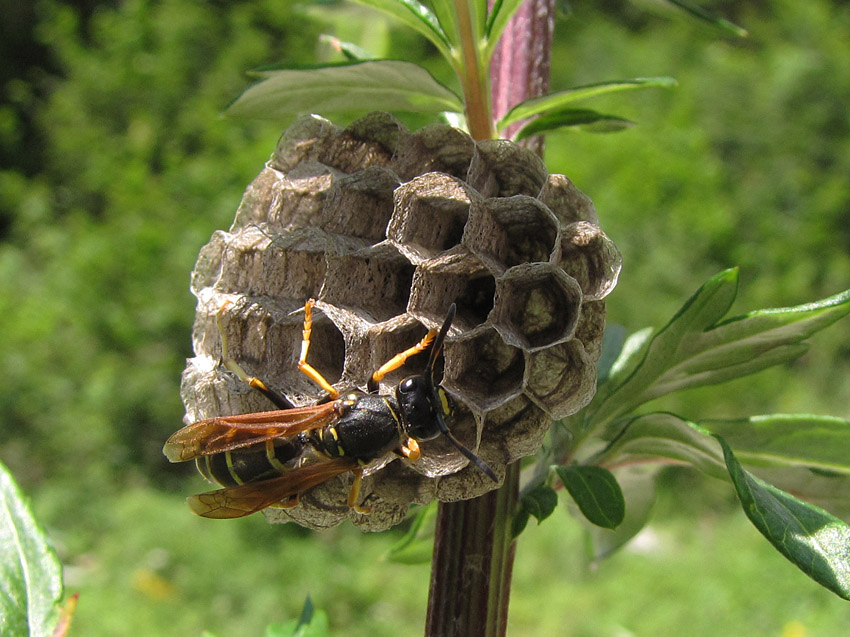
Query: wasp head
426	407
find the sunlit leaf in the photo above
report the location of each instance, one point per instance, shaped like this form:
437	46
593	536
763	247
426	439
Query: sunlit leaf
815	541
804	440
558	101
698	348
596	492
390	85
417	16
663	435
30	573
573	118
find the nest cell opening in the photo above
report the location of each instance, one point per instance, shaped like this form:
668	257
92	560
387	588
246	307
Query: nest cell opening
591	258
457	278
511	231
374	283
500	168
430	215
484	370
360	205
537	305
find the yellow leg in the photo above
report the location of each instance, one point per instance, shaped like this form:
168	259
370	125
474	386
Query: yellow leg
234	367
354	493
410	449
305	367
399	359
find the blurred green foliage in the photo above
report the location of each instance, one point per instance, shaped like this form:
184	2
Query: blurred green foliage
117	167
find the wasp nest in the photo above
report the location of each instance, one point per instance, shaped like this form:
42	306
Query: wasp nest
387	228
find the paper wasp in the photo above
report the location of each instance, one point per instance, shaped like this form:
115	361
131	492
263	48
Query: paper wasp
269	458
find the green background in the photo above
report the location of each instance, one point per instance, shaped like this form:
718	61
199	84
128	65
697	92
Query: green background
117	167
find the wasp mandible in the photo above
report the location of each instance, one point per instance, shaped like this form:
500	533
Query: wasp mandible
269	458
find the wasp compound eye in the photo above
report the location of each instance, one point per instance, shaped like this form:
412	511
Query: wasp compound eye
386	229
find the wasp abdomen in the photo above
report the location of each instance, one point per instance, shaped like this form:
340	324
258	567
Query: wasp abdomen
259	462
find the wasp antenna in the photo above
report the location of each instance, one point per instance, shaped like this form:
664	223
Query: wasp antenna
478	462
437	346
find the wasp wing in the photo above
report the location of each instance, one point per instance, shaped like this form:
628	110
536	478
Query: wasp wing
245	499
226	433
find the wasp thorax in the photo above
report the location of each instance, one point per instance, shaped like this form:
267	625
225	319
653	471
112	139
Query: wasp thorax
386	229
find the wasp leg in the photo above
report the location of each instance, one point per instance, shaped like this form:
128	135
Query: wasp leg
409	450
281	402
303	365
354	493
290	502
398	360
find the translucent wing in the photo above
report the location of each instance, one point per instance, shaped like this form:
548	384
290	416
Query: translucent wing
226	433
245	499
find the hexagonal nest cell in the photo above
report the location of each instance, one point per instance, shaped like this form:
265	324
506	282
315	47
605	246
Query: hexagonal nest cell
386	229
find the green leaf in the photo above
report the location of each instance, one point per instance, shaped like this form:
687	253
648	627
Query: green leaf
30	573
444	10
806	455
390	85
696	348
596	492
576	118
812	539
417	16
813	442
540	502
500	14
312	623
416	546
664	435
519	522
638	486
557	101
706	16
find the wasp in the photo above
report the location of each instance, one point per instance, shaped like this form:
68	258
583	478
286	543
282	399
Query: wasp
268	459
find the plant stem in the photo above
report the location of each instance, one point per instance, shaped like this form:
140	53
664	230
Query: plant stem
473	76
472	564
473	547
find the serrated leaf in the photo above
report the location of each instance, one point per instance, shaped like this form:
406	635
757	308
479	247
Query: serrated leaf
558	101
30	573
696	348
390	85
573	118
709	18
416	546
596	492
500	14
417	16
815	541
